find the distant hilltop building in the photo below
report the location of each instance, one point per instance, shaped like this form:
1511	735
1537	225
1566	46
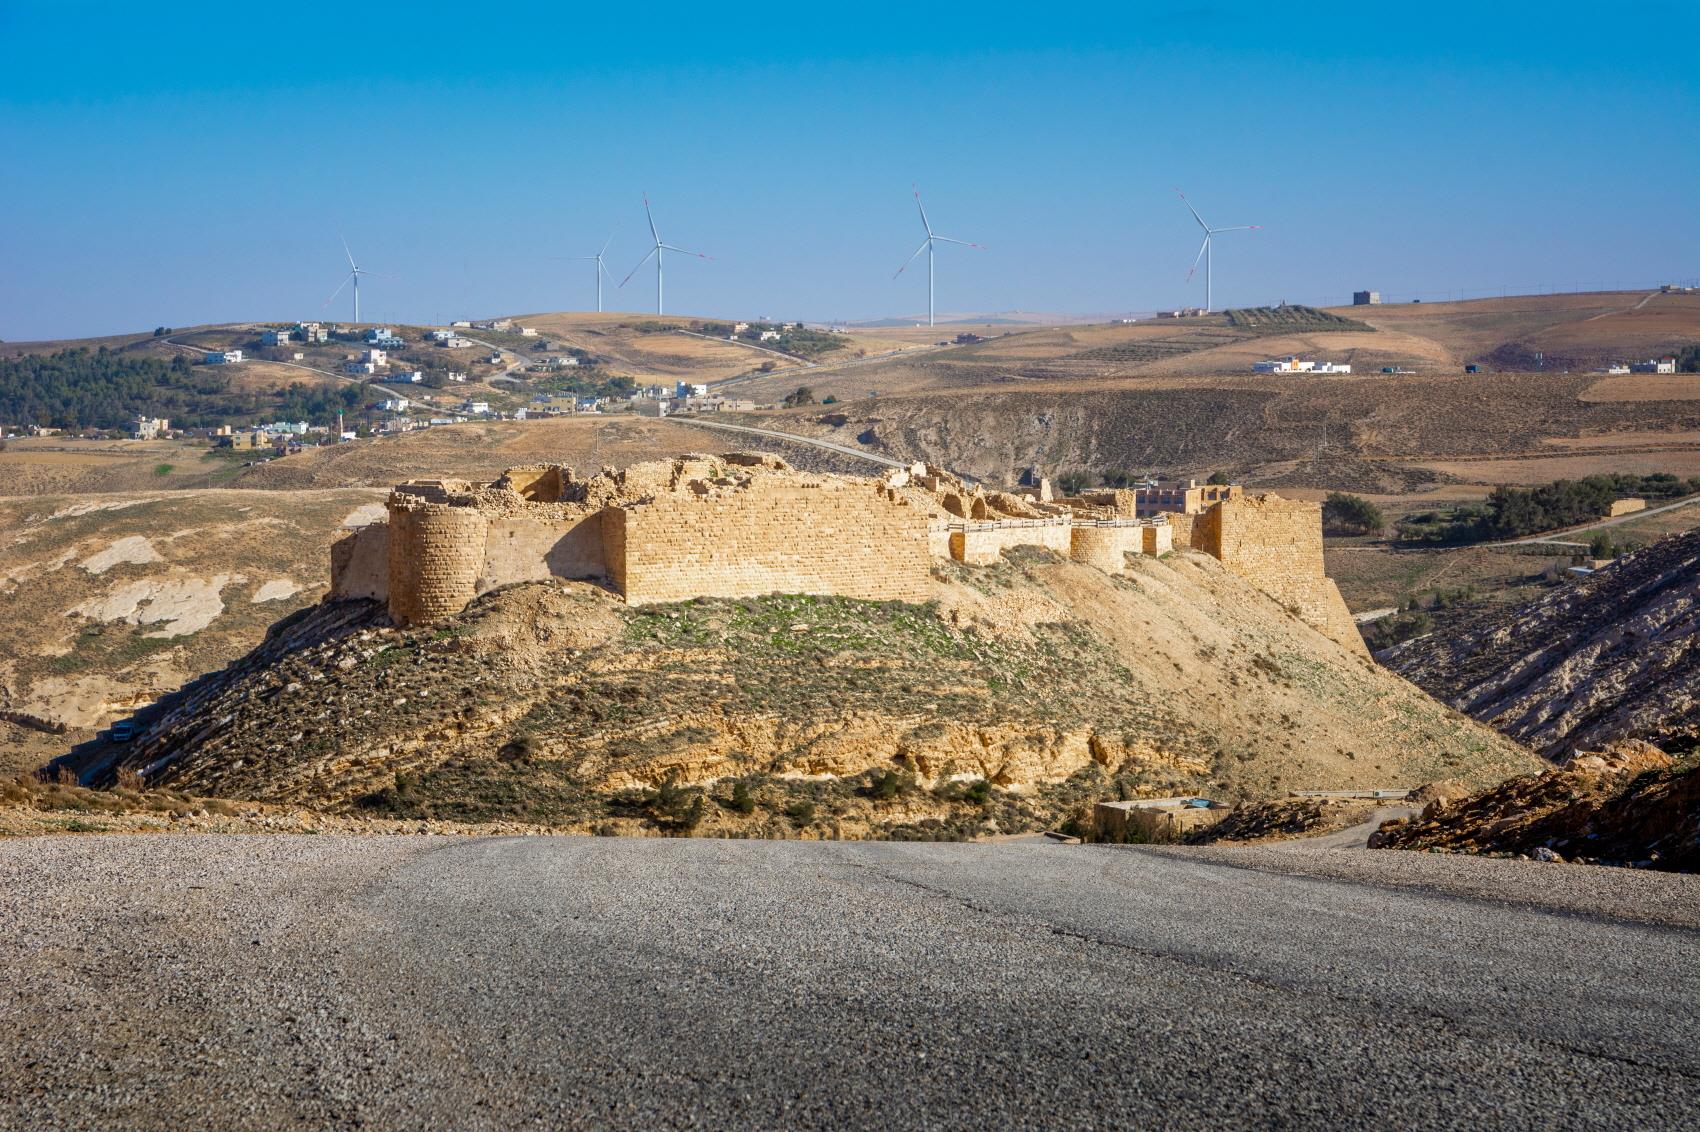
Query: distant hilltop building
743	525
1292	364
1366	298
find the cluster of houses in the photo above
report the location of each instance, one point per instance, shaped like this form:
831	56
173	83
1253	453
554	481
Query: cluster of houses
1292	364
1651	365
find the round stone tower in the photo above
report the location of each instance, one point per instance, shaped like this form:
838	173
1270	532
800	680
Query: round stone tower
436	554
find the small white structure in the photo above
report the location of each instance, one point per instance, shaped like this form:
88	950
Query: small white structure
1292	364
223	357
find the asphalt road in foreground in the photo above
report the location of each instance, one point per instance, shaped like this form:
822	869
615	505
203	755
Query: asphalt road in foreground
205	981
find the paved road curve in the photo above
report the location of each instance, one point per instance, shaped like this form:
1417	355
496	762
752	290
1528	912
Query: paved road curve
419	982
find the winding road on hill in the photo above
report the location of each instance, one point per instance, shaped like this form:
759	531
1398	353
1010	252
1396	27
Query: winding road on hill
404	982
793	437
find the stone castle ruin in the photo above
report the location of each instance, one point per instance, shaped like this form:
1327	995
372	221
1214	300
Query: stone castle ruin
743	525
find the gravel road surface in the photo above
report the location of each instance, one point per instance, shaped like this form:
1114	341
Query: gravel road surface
417	982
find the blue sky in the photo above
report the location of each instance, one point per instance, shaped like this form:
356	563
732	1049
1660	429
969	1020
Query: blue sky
181	163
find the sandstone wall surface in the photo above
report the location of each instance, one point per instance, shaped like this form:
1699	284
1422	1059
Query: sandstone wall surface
981	546
1277	544
526	548
831	536
436	554
360	564
1107	548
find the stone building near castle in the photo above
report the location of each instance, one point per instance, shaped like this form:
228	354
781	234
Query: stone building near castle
743	525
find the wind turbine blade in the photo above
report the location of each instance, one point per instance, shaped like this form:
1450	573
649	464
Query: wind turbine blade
1198	257
924	222
339	288
964	243
684	251
655	251
912	258
651	218
1192	210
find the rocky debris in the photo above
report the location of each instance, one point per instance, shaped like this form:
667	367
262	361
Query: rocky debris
1613	655
1280	819
1626	804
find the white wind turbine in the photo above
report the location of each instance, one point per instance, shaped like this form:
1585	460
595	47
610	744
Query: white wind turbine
1204	249
659	251
601	268
927	246
354	274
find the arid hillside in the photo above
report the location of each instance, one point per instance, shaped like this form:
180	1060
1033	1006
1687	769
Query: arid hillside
1051	681
481	450
1374	434
109	601
1613	656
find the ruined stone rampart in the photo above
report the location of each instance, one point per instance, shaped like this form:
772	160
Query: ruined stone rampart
745	525
436	554
1277	544
820	535
981	543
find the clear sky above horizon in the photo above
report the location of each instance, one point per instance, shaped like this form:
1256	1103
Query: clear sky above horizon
188	163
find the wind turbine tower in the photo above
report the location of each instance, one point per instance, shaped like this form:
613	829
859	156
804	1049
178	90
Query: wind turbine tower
354	274
601	268
659	251
927	246
1204	252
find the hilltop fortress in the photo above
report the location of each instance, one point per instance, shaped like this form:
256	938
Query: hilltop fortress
742	525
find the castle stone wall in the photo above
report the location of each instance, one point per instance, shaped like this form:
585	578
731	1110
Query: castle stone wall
436	555
360	564
527	548
1107	548
981	546
779	535
1277	545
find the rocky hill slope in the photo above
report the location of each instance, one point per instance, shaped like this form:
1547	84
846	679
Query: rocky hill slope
109	601
1614	656
1023	690
1630	804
